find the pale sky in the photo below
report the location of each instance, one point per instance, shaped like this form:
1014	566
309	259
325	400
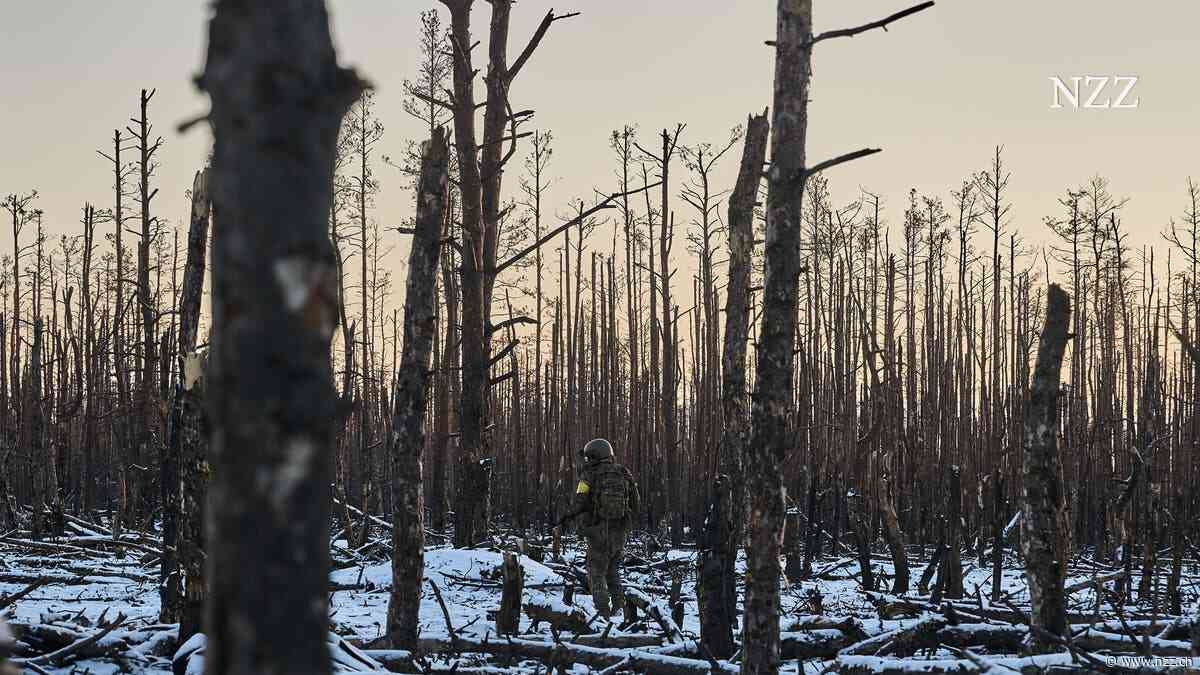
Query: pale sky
936	92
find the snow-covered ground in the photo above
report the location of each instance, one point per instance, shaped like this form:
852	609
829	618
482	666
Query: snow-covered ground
90	590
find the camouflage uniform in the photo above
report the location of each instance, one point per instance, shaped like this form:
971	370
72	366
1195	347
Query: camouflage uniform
606	538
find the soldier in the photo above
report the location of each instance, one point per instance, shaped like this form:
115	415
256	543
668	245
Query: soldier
607	498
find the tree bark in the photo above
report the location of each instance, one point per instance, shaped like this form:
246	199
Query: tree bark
1043	526
412	391
772	402
182	518
278	99
724	529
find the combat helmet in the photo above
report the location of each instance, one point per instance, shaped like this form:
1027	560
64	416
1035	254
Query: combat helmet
597	450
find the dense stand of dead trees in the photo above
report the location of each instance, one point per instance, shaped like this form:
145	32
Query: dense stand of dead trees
892	365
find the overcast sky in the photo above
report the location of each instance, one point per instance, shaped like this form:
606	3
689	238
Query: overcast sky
937	92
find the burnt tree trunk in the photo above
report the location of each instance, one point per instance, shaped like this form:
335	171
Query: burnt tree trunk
950	575
412	391
1043	524
894	537
181	519
718	610
508	619
772	437
716	593
189	436
278	99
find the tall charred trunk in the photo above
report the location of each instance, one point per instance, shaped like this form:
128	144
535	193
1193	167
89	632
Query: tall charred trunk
1043	526
278	99
772	438
412	390
724	528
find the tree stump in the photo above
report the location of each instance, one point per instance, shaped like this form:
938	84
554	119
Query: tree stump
508	620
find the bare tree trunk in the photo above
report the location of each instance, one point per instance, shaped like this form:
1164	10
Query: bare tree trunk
772	403
190	437
1043	524
408	424
181	520
718	609
149	424
278	99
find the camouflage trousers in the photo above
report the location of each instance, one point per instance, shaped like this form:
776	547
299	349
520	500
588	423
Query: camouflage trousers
606	549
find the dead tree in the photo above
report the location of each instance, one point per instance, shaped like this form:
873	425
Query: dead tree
412	389
171	478
278	99
148	428
772	401
1043	526
189	438
481	168
717	586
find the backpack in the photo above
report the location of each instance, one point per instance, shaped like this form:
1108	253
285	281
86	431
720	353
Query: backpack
612	493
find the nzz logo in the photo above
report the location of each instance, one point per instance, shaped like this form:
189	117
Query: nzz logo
1094	86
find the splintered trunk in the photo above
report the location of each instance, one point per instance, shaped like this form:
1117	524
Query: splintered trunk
412	389
724	525
771	436
278	99
189	439
1043	526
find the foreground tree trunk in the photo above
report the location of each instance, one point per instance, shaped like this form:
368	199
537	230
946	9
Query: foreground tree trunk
412	391
771	437
278	99
772	401
1043	526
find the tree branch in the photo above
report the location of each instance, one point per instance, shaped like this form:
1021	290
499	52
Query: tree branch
882	23
830	163
534	41
606	204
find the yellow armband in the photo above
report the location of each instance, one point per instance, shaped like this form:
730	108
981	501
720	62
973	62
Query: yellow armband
582	488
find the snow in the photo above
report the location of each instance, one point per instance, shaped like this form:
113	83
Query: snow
88	587
458	574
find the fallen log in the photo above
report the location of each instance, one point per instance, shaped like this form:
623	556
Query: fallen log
821	643
873	665
566	654
1102	641
560	615
902	641
849	625
656	611
1094	581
